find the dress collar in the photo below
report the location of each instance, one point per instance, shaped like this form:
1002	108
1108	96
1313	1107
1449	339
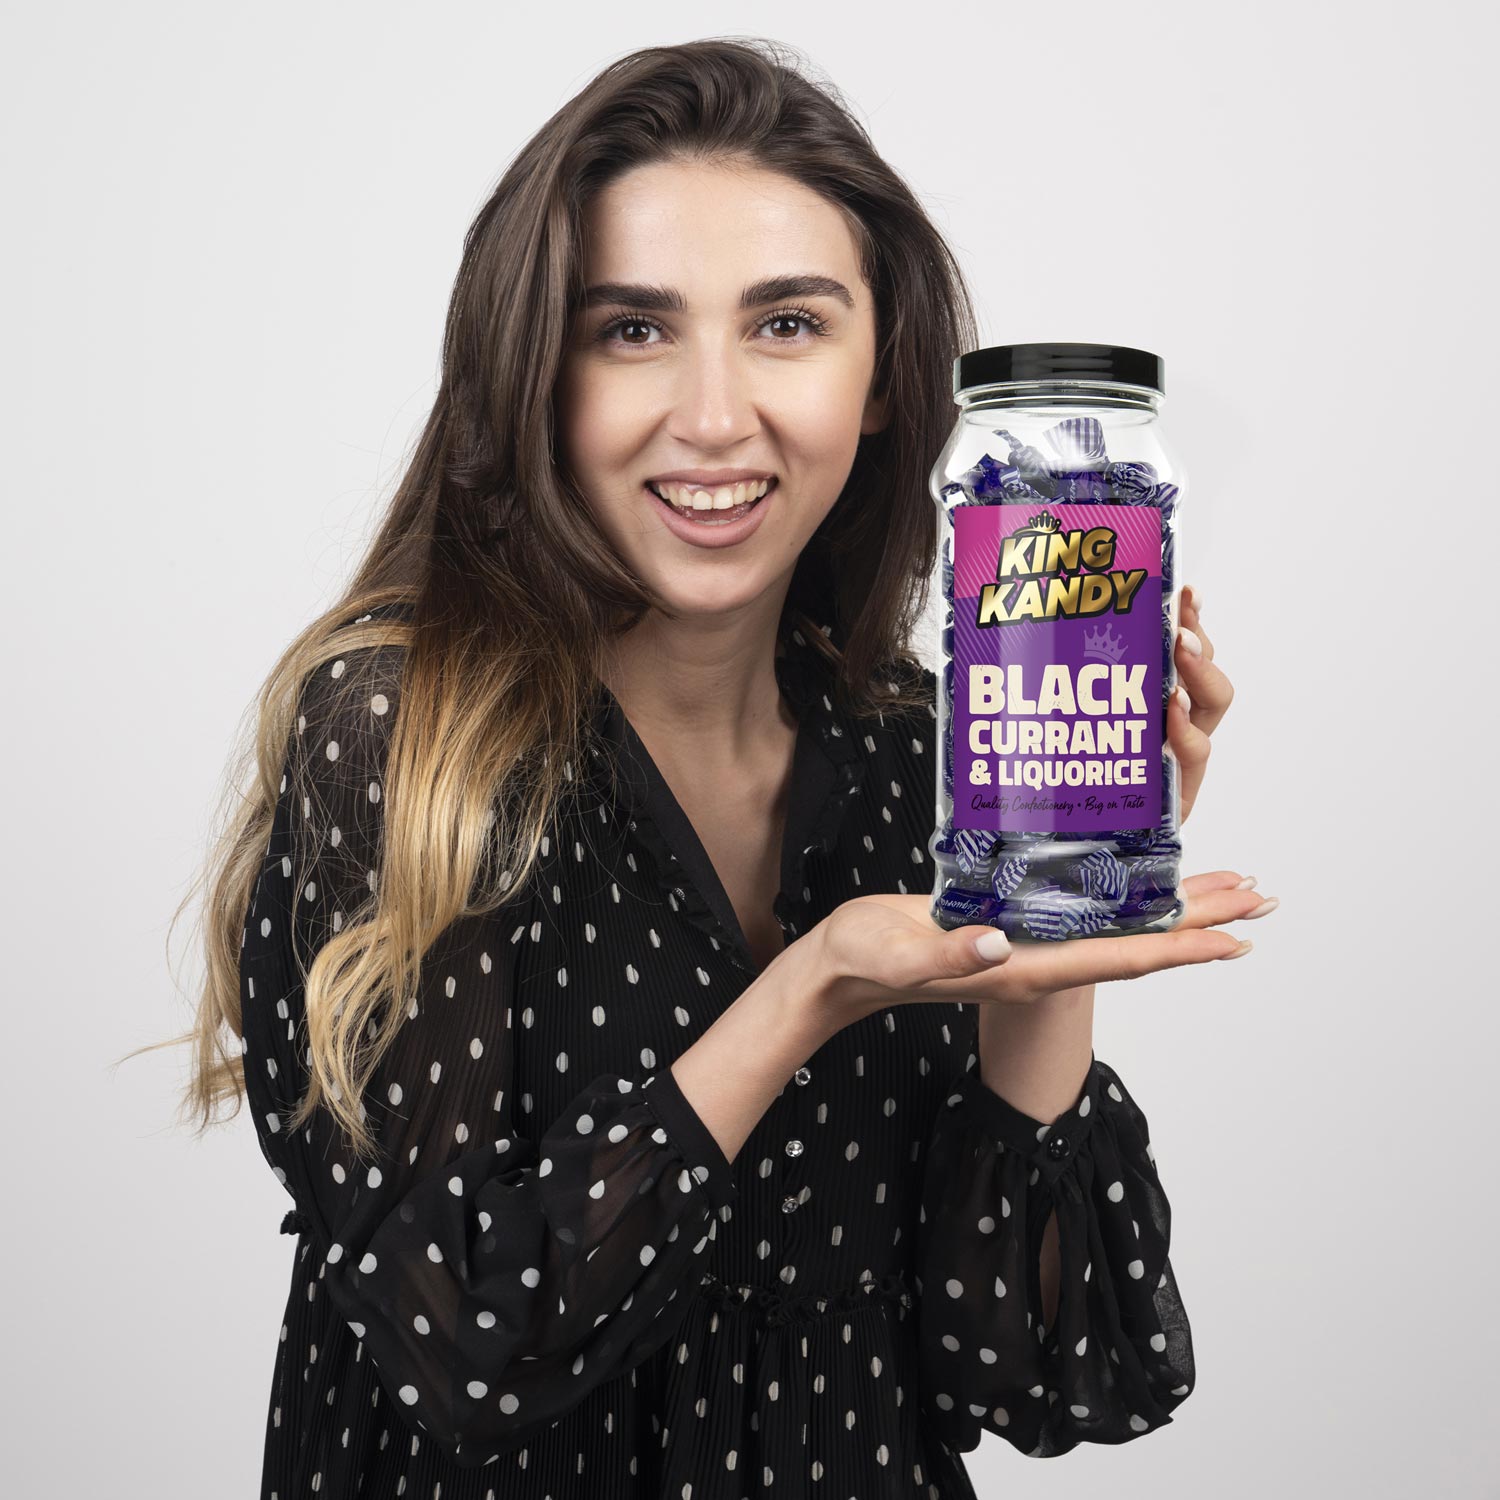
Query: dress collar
827	776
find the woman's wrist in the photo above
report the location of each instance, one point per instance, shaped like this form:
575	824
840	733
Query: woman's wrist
1037	1056
801	992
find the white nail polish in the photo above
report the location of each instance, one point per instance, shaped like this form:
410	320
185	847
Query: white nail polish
992	946
1180	693
1248	883
1191	641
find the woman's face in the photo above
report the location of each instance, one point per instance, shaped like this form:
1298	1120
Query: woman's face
686	356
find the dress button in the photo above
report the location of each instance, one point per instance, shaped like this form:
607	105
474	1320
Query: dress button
803	1076
1058	1147
794	1148
789	1205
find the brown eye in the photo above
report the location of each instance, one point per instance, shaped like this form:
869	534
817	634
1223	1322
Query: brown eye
628	320
816	326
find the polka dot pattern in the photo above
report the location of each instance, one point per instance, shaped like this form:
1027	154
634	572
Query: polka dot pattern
552	1281
1119	1357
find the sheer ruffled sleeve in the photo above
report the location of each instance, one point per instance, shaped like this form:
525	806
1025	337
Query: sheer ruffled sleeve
1120	1357
493	1278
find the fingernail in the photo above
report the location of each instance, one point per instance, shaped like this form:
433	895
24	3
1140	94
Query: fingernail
1247	883
1180	693
1239	952
1191	641
1192	588
992	946
1270	904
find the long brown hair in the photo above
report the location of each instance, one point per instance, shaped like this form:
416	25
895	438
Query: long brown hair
509	591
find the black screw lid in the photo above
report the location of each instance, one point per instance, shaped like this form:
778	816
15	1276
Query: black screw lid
1111	363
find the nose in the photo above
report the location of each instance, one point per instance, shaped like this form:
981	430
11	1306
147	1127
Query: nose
714	402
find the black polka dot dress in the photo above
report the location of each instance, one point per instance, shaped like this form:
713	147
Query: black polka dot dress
552	1283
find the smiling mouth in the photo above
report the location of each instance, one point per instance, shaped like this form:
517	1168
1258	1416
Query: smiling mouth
707	515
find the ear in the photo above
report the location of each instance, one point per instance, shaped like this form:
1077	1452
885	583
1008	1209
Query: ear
875	414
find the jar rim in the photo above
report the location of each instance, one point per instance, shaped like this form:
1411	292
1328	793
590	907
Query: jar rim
1108	365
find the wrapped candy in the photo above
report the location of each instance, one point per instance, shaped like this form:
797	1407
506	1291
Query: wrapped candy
1101	877
1131	483
1032	465
973	847
1078	441
1053	914
1009	875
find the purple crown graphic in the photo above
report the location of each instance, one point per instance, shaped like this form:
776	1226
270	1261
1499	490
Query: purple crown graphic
1104	644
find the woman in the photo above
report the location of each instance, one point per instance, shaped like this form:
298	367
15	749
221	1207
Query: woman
645	1135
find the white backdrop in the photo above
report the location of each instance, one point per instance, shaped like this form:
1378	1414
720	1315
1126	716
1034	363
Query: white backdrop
231	234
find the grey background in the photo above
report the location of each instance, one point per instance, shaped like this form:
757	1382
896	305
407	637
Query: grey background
231	234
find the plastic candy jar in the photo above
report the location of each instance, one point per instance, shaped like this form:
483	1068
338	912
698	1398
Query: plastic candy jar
1059	503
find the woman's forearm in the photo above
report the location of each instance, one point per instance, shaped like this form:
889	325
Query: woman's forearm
1036	1058
733	1073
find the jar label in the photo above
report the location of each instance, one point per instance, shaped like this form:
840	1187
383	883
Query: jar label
1057	719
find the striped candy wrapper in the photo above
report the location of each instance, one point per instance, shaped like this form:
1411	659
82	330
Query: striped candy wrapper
954	495
1078	442
1101	876
1131	482
1055	915
1164	498
1032	464
1008	875
972	847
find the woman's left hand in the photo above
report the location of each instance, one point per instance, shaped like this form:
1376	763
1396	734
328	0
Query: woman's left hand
1211	693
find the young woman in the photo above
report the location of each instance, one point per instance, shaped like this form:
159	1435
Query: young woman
644	1134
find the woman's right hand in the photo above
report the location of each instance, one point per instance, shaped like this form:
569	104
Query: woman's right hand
883	950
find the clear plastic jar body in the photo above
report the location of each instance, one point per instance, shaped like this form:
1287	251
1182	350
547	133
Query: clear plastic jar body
1058	800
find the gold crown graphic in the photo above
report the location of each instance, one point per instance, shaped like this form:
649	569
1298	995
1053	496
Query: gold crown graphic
1043	522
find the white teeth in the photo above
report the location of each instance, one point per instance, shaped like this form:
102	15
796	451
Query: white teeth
689	497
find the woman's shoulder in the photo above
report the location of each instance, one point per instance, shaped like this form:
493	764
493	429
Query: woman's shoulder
347	704
376	662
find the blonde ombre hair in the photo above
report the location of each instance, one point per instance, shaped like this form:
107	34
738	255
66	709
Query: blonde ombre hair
486	601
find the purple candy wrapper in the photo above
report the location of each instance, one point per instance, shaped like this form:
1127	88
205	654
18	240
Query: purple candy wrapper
973	847
1083	487
1078	442
1008	876
1055	915
1131	483
1032	464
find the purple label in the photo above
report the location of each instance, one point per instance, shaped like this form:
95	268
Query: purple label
1057	668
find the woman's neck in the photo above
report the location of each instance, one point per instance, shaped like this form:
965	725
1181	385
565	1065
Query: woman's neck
702	691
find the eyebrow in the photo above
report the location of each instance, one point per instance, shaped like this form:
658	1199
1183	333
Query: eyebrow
757	294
